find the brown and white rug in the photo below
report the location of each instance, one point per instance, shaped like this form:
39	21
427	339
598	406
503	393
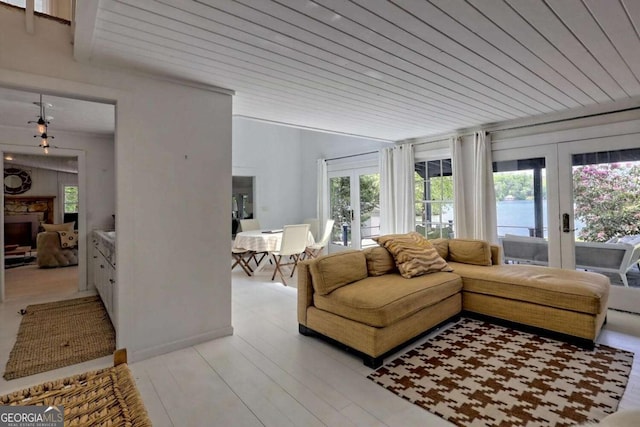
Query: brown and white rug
480	374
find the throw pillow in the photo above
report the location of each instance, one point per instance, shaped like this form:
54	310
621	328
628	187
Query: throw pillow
68	226
379	261
413	254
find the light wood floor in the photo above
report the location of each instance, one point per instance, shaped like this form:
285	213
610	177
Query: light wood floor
30	281
266	374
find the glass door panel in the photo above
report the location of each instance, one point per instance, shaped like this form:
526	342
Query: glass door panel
369	195
434	198
525	182
606	208
600	211
355	208
340	210
521	200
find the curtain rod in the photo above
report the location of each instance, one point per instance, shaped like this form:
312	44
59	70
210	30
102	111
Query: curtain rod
352	155
524	126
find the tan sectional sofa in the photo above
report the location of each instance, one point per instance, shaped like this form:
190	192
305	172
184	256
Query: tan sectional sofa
359	300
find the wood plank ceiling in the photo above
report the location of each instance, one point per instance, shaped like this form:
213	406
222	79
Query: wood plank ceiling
385	69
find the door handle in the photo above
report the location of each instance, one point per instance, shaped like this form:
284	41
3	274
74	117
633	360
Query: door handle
565	223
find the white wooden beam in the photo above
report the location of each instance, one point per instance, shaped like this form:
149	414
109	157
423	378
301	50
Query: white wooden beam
85	25
29	19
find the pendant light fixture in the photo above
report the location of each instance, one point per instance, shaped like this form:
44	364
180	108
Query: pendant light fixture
42	125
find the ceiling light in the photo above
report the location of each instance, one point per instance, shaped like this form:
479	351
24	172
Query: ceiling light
42	125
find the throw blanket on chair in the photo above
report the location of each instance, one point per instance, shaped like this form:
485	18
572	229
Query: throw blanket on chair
68	239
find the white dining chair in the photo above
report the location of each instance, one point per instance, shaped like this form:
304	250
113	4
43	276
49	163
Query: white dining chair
242	258
314	227
249	224
293	244
314	250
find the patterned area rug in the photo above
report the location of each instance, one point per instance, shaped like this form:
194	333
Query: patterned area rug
58	334
480	374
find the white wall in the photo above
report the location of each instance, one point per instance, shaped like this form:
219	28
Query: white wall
271	153
173	180
283	160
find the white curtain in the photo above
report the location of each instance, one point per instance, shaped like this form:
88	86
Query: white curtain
387	211
484	199
397	189
459	211
322	188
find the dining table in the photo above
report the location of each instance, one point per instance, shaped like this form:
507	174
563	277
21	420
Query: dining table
262	241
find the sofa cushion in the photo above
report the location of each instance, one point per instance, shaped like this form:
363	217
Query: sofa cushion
333	271
468	251
442	246
379	261
413	254
579	291
383	300
67	226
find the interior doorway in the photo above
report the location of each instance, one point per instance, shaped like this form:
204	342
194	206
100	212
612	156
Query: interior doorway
79	132
242	201
39	191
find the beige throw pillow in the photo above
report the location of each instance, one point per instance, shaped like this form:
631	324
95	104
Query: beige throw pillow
379	261
67	226
414	255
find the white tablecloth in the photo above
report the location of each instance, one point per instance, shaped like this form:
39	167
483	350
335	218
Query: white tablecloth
258	241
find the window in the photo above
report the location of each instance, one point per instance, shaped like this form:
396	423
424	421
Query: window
70	199
521	197
57	8
434	198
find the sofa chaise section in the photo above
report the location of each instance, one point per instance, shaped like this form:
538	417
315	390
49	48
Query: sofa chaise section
567	302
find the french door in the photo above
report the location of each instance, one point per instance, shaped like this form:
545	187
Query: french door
599	193
574	195
354	205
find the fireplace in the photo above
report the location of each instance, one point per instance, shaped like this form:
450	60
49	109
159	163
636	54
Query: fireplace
21	230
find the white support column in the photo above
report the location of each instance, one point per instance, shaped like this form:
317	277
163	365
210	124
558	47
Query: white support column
28	16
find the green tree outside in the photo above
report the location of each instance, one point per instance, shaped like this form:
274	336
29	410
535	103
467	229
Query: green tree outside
70	198
607	200
340	200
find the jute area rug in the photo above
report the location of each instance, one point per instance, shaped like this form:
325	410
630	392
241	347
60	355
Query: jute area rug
58	334
481	374
107	397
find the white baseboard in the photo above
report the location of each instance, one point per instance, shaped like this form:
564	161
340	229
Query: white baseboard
146	353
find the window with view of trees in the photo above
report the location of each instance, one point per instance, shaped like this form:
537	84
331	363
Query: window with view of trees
606	187
434	198
70	199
